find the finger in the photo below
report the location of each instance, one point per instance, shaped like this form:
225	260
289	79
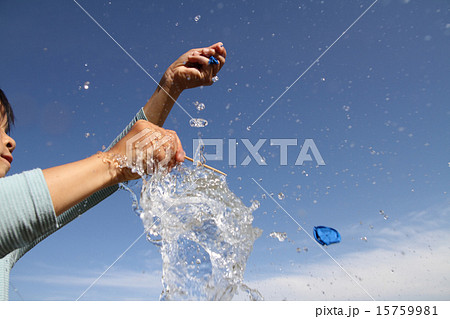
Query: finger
137	148
220	49
175	148
200	59
208	52
164	153
220	56
180	154
207	70
221	59
223	51
178	148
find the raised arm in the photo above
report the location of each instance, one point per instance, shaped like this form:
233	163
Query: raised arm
190	70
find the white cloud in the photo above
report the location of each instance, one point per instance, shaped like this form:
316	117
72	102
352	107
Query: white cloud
118	284
122	278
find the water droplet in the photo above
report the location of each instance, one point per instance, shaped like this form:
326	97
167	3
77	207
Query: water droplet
278	235
386	217
323	79
198	261
364	238
198	122
86	135
200	106
255	205
197	17
346	108
249	128
86	85
229	90
281	196
215	79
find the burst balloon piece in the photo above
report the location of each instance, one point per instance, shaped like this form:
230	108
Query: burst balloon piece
326	235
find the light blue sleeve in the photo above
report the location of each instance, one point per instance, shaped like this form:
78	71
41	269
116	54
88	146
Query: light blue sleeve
26	210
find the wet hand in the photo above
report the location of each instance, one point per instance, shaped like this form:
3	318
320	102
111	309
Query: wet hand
146	147
197	67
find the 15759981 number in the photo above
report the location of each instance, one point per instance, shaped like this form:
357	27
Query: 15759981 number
406	310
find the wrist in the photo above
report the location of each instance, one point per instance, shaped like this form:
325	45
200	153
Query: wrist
169	85
111	167
160	104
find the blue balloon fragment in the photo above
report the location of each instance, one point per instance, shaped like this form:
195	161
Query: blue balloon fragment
326	235
213	60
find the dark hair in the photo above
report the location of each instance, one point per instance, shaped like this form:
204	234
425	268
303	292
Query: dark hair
8	110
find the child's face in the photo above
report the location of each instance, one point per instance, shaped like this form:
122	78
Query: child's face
7	144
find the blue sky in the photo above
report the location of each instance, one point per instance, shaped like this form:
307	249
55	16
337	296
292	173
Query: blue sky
376	106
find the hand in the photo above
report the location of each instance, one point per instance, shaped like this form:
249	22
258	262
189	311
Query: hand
143	140
192	69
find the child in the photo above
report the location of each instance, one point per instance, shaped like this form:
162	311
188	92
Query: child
36	203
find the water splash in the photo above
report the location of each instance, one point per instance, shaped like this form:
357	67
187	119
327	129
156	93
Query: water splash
200	106
198	122
281	236
204	233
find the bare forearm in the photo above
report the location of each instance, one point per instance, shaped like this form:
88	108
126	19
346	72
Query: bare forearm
71	183
160	104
